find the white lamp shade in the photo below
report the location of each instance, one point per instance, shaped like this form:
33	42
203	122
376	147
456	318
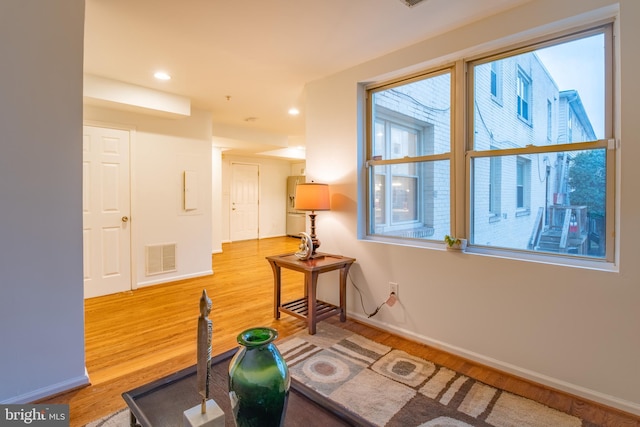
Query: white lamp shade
312	196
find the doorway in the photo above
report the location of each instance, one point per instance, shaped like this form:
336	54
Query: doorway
245	200
106	210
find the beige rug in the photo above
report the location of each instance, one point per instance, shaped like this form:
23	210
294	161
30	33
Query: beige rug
120	418
389	387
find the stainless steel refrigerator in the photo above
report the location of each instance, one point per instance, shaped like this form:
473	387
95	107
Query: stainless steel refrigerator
296	220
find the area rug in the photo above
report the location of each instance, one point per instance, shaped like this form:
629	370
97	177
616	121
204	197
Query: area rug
120	418
389	387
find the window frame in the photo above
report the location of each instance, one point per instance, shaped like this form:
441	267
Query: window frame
462	151
608	142
371	162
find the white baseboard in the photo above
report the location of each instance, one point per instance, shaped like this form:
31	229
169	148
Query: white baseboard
174	278
272	236
576	390
48	391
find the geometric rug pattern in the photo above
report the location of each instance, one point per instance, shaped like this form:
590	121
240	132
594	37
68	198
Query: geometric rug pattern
389	387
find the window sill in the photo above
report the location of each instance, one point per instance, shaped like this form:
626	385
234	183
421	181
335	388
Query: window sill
523	212
525	121
506	254
541	258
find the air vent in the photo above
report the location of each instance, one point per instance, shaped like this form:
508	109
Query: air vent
160	259
411	3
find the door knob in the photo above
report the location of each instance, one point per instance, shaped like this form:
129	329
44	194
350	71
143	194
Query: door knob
125	218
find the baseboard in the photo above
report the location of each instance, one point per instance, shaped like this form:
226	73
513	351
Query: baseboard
174	278
272	236
536	377
49	391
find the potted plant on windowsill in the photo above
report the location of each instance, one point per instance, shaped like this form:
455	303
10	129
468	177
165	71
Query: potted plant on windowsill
455	244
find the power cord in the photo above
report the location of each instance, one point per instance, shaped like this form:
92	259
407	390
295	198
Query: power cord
389	301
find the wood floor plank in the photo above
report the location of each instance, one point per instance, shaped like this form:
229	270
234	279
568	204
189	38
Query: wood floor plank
136	337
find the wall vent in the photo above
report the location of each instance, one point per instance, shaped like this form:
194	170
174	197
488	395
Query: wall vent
160	259
411	3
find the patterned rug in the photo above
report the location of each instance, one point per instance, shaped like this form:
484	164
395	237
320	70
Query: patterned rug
120	418
389	387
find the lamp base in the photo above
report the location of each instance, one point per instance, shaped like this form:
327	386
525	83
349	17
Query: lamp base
314	239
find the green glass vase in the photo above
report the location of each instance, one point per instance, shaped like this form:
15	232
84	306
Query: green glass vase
258	380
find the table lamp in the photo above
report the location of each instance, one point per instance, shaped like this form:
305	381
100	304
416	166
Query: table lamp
312	196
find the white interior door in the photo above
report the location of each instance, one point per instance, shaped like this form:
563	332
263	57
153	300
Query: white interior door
106	210
244	201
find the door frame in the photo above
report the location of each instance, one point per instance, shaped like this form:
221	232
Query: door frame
132	235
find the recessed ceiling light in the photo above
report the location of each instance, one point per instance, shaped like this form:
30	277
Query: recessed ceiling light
161	75
294	111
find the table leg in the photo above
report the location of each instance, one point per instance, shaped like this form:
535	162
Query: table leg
344	272
277	289
311	287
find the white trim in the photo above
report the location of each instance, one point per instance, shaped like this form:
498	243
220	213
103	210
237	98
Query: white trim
49	391
576	390
272	236
175	278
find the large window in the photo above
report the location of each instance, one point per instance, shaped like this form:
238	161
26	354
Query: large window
540	168
408	158
548	204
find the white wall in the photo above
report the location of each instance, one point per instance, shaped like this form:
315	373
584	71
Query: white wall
41	302
161	150
216	200
273	188
298	168
574	329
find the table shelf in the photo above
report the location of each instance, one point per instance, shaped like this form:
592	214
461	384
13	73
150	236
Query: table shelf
300	309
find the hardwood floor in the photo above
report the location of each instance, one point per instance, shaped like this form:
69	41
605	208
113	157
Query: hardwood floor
136	337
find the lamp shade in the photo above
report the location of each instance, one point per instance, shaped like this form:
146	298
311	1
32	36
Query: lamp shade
312	196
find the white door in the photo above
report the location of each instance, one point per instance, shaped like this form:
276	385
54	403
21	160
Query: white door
244	201
106	210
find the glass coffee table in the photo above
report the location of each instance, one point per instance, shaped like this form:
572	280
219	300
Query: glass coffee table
162	402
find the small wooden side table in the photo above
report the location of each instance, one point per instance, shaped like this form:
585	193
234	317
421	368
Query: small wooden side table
308	308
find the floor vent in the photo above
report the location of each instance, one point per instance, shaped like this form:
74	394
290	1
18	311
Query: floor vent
160	259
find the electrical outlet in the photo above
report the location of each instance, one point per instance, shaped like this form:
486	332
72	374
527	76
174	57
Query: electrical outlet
393	288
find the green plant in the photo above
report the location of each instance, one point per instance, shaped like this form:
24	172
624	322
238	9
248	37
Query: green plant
452	241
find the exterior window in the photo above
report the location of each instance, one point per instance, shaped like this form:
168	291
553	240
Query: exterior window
408	158
523	182
549	120
496	81
495	186
523	96
552	192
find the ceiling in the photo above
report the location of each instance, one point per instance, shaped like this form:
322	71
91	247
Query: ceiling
248	61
